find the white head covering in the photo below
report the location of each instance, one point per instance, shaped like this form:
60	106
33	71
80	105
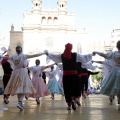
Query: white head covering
3	49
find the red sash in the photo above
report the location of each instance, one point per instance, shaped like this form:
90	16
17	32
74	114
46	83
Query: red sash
83	74
69	72
7	74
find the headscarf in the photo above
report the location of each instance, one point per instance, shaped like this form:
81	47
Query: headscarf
67	51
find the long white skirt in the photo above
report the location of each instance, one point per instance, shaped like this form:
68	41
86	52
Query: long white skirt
19	83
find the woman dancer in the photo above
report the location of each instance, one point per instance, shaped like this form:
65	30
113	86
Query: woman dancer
53	85
106	69
20	83
38	82
111	86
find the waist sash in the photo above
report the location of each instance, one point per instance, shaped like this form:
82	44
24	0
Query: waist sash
69	72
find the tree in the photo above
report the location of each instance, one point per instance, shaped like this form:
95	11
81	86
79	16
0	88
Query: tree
98	77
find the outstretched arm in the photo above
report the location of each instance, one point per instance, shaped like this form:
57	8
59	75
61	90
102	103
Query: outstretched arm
4	57
45	67
92	73
4	52
35	55
89	65
54	57
84	58
1	57
100	62
100	54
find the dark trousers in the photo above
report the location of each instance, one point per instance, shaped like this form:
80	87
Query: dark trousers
5	82
80	85
84	83
71	87
45	81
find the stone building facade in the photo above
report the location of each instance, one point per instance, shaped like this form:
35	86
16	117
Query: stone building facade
47	29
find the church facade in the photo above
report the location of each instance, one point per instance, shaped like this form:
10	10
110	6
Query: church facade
47	29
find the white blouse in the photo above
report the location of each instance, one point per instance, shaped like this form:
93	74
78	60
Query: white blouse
114	56
36	71
18	61
51	74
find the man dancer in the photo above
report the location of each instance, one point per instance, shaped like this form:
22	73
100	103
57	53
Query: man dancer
7	70
70	76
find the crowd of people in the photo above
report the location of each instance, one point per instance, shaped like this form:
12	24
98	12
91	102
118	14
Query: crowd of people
72	68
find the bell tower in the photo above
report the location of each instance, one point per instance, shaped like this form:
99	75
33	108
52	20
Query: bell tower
36	6
62	6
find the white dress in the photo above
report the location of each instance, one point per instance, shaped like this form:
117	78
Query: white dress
107	67
112	80
38	82
53	85
19	82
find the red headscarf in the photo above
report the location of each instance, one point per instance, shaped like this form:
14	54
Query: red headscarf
4	60
67	51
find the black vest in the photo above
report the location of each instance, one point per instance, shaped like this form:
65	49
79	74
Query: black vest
79	68
84	70
69	64
7	68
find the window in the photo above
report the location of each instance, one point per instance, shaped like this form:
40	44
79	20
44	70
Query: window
43	20
49	20
55	20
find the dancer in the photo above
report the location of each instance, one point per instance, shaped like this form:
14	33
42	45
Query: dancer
53	85
70	77
7	70
38	82
106	69
83	75
20	83
112	80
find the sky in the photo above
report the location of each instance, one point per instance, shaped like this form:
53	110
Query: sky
99	17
